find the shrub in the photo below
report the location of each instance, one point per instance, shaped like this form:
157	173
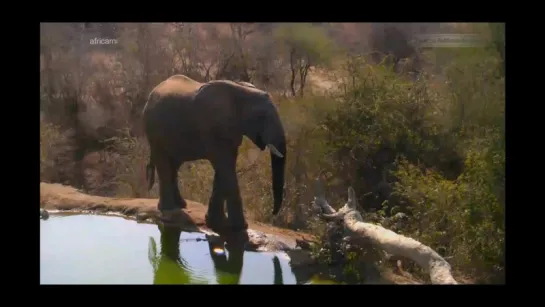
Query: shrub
379	116
464	219
129	169
55	154
431	145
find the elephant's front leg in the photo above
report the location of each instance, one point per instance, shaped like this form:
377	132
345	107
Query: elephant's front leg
229	186
215	215
235	211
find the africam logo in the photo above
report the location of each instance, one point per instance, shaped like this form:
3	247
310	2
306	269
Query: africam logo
102	41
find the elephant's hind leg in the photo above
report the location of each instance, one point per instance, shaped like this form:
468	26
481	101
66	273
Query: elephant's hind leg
168	187
180	201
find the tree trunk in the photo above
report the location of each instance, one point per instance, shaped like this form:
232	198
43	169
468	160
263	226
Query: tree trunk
389	241
303	73
293	72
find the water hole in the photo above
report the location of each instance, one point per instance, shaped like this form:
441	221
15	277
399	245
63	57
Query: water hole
95	249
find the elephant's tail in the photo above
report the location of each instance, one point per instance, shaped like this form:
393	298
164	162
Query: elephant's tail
150	174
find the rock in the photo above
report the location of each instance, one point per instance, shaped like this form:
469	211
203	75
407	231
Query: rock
303	244
300	258
44	215
400	216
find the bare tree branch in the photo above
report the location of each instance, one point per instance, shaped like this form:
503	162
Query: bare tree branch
389	241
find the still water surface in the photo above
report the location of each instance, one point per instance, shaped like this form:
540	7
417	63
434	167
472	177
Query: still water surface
94	249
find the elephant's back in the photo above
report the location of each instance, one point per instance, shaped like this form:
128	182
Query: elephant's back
177	85
172	96
169	109
175	92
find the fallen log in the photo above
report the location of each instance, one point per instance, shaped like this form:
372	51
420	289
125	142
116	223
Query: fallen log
387	240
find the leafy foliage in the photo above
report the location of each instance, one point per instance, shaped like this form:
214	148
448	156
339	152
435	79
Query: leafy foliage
429	144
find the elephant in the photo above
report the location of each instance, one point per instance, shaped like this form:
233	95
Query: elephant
185	120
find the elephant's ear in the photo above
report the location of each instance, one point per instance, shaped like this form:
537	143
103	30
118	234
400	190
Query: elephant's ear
253	129
199	91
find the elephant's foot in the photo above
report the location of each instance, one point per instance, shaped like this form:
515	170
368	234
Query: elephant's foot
175	216
182	204
174	205
216	224
179	203
236	238
237	227
236	241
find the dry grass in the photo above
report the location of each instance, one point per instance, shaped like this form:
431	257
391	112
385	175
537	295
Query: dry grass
105	91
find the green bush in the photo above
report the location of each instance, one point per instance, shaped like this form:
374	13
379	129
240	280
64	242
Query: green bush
380	116
129	168
464	219
431	146
437	144
49	137
55	154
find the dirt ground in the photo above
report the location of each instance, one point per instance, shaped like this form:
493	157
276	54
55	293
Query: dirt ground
61	197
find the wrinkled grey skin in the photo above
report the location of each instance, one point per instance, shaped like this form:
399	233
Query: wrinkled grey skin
185	120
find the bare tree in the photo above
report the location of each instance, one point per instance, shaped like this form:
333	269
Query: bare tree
307	46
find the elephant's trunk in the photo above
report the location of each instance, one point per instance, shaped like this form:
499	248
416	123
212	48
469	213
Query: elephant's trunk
278	166
273	136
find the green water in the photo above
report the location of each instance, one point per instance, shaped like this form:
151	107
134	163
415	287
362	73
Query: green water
93	249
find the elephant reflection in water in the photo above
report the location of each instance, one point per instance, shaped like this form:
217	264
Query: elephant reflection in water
278	279
170	268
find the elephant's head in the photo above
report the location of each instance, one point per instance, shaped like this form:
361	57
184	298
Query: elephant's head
261	123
